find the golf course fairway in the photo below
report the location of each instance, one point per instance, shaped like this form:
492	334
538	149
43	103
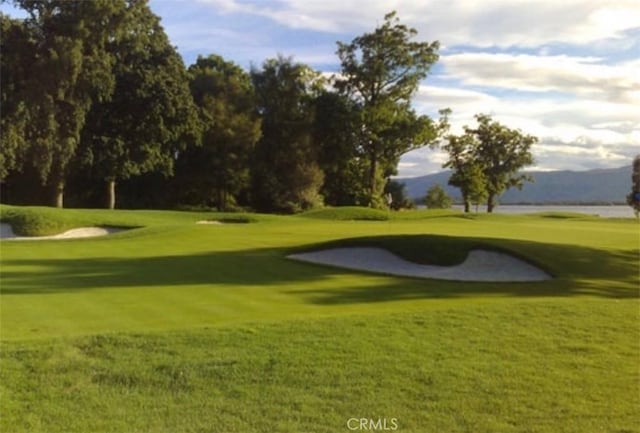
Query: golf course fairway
174	326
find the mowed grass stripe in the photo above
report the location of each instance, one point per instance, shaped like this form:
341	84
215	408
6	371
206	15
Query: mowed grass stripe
181	275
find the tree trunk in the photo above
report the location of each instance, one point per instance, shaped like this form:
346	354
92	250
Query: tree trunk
490	203
373	179
111	193
465	200
58	194
222	200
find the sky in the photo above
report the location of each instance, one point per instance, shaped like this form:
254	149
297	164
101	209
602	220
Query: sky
565	71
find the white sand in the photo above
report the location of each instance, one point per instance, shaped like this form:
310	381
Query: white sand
215	222
480	265
6	233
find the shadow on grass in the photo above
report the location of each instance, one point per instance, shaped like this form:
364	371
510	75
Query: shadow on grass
577	271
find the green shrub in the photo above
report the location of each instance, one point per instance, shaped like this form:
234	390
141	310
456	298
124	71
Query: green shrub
437	198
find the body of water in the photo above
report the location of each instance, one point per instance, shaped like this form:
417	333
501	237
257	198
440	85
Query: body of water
617	211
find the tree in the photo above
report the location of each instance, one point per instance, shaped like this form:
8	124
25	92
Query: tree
467	173
72	68
339	156
486	160
633	199
501	152
217	171
151	116
285	173
437	198
16	46
397	193
475	186
380	72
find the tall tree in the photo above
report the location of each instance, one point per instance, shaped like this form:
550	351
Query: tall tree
633	199
285	173
380	72
16	46
339	155
15	61
218	171
72	69
151	115
501	152
467	173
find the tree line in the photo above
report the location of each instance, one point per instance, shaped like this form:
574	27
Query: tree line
98	108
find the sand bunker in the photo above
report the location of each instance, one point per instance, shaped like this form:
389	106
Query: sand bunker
480	265
6	233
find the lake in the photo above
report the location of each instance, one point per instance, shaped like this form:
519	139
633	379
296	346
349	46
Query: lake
616	211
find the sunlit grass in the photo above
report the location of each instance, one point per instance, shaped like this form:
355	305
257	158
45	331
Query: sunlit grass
176	326
523	366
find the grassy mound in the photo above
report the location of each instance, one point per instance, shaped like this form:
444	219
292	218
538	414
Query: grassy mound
564	215
423	249
227	218
45	221
37	221
430	249
356	213
347	213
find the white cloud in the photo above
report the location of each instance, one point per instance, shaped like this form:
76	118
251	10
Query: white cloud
486	23
583	76
439	96
407	165
323	15
420	162
204	38
584	112
573	133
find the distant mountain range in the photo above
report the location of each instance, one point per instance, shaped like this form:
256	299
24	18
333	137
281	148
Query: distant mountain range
600	186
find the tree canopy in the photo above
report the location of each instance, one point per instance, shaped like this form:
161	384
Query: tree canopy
150	116
70	67
467	172
286	176
486	160
380	72
339	156
502	152
218	171
437	198
17	47
93	93
395	193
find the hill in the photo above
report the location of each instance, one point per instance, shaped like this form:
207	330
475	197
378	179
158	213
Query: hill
550	187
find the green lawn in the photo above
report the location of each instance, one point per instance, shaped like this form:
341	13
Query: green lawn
180	327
